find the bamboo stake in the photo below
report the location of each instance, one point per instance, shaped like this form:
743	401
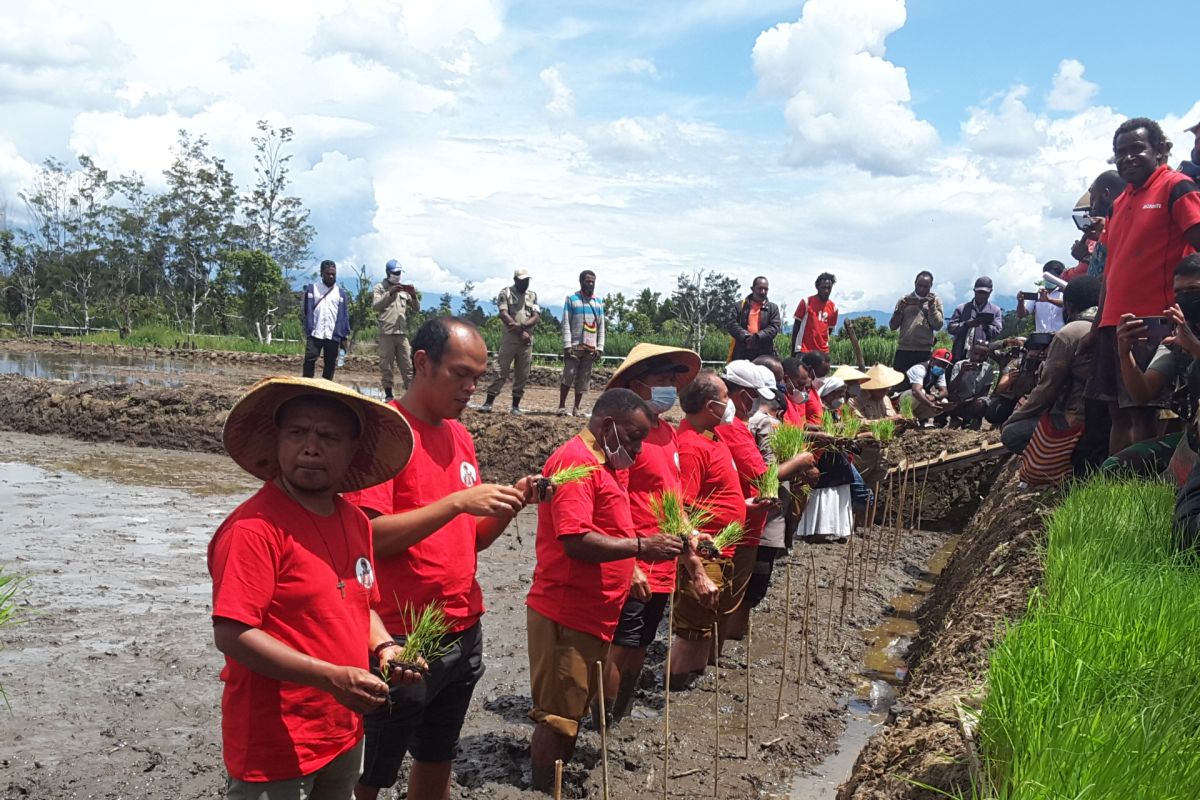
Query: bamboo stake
749	641
558	779
829	614
899	510
921	501
846	580
912	515
787	617
812	561
603	731
887	506
716	717
667	696
802	667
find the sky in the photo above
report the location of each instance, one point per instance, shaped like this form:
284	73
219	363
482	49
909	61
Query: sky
466	138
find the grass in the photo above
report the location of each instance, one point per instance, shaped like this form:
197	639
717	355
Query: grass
788	441
426	630
729	536
768	483
8	608
907	409
572	474
884	430
675	517
1096	693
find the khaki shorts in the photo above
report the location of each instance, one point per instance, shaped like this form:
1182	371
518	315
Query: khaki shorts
562	672
734	590
577	371
692	620
334	781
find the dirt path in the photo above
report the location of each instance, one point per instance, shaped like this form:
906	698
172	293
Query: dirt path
113	678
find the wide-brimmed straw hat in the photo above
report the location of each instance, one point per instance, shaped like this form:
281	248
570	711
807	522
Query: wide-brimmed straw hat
881	377
646	359
385	439
849	374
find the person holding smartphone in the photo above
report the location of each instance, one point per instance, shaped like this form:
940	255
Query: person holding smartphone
392	299
977	320
1045	304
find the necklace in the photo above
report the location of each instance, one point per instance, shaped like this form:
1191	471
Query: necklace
341	584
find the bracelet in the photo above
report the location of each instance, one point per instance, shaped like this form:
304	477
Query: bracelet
639	546
384	645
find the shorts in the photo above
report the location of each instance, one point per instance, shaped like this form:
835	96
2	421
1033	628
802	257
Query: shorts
639	621
692	620
334	781
734	590
563	677
764	567
577	371
1106	384
425	718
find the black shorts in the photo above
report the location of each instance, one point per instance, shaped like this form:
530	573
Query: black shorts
760	579
904	360
638	624
425	718
1106	383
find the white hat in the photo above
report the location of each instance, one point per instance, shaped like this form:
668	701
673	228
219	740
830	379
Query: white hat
749	375
520	274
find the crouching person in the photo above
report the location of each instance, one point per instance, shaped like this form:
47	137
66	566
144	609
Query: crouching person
586	549
294	589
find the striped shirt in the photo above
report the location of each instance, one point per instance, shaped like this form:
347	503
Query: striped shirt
583	321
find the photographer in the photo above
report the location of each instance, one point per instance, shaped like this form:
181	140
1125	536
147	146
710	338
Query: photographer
918	316
1020	359
1059	390
1045	304
977	320
970	383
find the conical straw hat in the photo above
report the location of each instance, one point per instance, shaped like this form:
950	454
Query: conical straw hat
683	362
881	377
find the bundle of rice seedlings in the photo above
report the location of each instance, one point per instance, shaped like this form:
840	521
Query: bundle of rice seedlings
883	429
675	517
729	536
851	425
423	644
768	483
906	407
788	441
829	424
572	474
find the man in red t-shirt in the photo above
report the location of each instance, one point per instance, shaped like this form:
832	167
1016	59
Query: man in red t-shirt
655	373
294	588
586	551
815	318
430	521
1155	222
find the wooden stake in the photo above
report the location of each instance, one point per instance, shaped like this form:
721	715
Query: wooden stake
816	618
887	506
667	696
749	641
806	654
899	510
558	779
603	731
921	500
716	717
846	580
787	617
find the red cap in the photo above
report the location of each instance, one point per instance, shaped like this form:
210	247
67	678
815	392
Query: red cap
942	354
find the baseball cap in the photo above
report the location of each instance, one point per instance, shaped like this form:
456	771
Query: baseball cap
520	274
983	283
393	267
749	375
942	354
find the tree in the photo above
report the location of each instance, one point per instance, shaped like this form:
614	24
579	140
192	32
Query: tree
21	272
616	309
471	310
445	306
277	223
259	281
134	252
701	299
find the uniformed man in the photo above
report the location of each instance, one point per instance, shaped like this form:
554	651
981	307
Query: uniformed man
520	314
392	299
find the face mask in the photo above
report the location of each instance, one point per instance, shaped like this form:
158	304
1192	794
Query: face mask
938	372
394	278
1189	304
662	398
834	404
730	412
782	389
618	457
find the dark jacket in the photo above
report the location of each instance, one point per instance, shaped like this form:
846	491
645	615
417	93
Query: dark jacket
763	343
962	332
341	328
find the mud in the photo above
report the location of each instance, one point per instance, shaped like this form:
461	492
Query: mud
986	583
112	540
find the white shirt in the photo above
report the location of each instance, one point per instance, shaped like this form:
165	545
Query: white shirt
326	312
1047	317
917	372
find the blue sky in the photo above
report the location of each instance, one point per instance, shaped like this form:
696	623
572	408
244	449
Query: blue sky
870	138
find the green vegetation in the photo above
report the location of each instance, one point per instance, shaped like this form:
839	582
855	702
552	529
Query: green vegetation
676	518
907	409
768	483
8	607
426	630
883	430
729	536
1096	693
572	474
788	441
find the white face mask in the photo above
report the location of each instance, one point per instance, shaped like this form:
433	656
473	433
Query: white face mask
617	457
728	414
394	278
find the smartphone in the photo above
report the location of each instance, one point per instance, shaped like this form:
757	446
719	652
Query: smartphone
1157	327
1083	219
986	318
1031	296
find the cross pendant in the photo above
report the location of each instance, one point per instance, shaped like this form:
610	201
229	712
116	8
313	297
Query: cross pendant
341	585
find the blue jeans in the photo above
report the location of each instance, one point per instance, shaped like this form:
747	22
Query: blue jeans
860	495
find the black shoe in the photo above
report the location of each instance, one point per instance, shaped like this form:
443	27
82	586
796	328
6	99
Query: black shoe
387	396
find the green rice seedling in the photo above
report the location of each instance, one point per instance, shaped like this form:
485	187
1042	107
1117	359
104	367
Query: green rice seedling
768	483
788	441
675	517
8	606
907	410
572	474
829	424
851	425
729	536
426	630
883	429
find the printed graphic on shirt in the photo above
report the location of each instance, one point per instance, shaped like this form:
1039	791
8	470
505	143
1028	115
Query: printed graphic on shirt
364	573
468	474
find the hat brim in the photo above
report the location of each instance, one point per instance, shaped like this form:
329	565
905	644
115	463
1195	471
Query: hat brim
849	374
685	364
250	437
881	377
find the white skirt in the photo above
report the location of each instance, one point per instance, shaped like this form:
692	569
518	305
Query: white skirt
828	513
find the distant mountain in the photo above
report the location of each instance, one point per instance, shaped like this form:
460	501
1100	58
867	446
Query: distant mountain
880	317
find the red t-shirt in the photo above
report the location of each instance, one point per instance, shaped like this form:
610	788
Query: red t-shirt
817	320
1145	242
275	567
814	409
441	567
793	414
710	479
656	469
1074	272
578	594
750	466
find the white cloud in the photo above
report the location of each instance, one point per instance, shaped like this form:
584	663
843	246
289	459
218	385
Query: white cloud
642	66
845	101
1005	127
1070	91
562	100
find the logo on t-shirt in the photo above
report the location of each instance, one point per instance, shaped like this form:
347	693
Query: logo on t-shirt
467	473
364	573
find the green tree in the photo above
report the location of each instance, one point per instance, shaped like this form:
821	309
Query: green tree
703	299
259	282
277	223
360	310
134	279
445	306
21	274
470	309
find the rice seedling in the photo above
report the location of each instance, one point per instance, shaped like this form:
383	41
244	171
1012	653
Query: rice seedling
8	608
675	517
1098	688
729	536
884	430
424	643
851	425
907	409
829	424
572	474
768	483
788	441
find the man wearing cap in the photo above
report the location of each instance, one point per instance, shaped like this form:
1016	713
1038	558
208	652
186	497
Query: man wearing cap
815	318
1191	168
583	340
430	521
392	299
754	323
520	314
655	373
294	589
918	317
969	386
325	313
1047	308
976	320
587	548
927	384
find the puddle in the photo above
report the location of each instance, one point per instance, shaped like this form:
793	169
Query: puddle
101	367
884	670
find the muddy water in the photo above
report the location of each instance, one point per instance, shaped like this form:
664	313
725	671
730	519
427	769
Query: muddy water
883	670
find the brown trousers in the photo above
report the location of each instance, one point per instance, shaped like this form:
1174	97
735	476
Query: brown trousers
394	353
512	350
